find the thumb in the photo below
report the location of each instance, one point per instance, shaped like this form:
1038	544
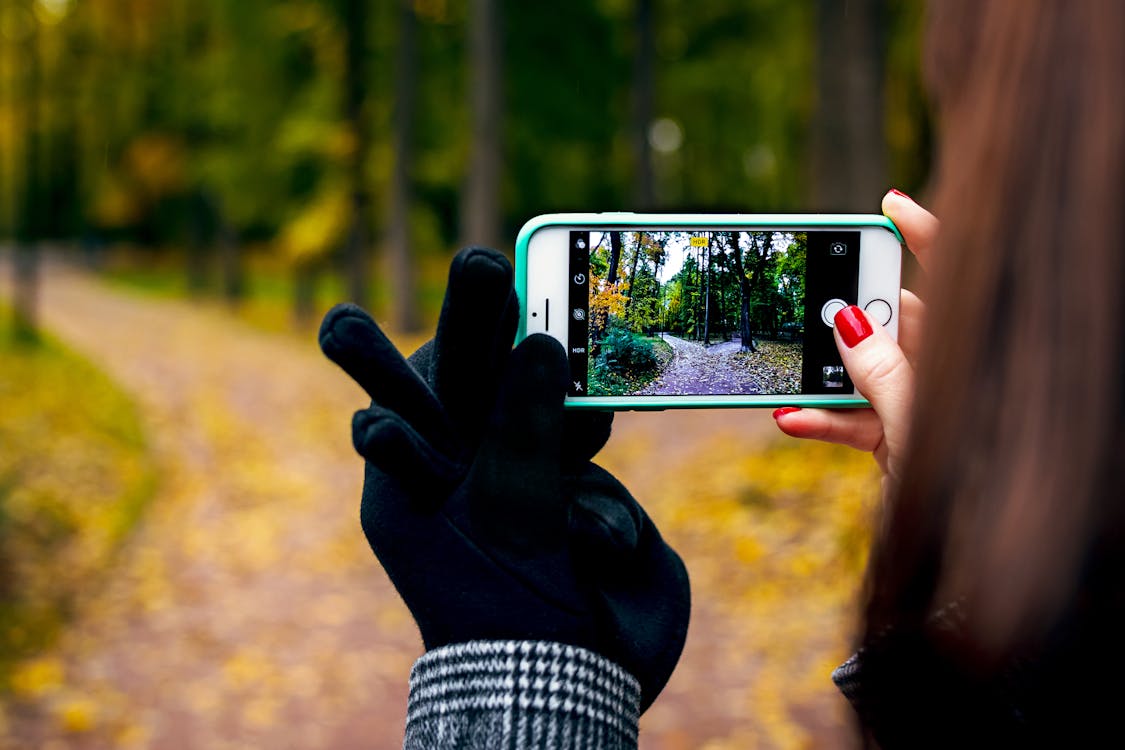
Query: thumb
880	372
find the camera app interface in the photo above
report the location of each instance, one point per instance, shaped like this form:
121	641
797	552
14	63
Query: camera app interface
708	312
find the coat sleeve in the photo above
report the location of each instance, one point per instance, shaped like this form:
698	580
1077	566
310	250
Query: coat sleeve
518	695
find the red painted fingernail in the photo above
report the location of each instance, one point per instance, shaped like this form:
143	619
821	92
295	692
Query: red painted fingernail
852	325
785	410
901	194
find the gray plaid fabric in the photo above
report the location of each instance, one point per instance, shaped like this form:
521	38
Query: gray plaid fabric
504	695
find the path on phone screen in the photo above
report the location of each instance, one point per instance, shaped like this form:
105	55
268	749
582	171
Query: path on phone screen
246	610
721	368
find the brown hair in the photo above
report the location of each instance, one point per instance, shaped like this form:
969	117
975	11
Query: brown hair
1010	499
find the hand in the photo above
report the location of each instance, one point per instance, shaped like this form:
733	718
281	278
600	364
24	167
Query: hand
480	499
882	370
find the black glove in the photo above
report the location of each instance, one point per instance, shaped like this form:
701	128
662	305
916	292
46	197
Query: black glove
480	499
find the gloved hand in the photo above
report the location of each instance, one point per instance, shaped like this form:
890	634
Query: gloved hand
480	499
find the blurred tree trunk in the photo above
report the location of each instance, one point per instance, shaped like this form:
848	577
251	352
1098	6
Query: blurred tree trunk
304	292
230	260
480	205
849	146
356	249
643	103
26	259
197	245
404	311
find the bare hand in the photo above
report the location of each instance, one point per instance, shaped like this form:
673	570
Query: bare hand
882	370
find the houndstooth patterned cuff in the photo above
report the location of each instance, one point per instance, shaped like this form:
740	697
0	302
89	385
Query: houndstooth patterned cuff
520	694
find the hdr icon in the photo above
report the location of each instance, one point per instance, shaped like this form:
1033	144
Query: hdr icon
578	350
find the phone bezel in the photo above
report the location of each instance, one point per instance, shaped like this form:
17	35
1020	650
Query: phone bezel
880	277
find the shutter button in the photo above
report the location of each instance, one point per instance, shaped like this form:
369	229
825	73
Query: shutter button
879	310
828	312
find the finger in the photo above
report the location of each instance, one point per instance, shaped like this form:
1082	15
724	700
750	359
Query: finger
385	440
917	225
879	370
584	434
857	428
351	339
516	477
474	335
911	313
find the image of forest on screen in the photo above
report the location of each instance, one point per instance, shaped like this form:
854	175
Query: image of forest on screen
696	313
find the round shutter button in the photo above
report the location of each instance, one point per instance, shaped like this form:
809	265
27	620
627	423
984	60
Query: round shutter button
879	310
828	312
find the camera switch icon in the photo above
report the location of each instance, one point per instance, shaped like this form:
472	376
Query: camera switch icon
837	248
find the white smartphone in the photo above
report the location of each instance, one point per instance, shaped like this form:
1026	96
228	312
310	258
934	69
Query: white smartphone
662	311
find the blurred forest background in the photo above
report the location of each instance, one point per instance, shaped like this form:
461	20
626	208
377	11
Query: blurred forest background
187	185
352	145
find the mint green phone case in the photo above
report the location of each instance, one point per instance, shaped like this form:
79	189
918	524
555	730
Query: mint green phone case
625	221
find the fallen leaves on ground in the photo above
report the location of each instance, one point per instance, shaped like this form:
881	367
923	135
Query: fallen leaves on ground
75	472
247	609
775	537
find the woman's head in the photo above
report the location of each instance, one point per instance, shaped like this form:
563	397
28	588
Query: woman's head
1011	488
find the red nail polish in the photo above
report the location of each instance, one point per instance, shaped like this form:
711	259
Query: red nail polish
852	325
901	194
785	410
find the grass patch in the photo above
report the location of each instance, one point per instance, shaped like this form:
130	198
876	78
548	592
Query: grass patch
606	380
75	476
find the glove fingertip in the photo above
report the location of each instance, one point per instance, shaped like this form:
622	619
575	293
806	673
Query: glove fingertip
387	442
539	358
327	336
478	261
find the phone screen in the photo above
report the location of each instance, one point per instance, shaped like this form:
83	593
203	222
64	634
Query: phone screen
693	312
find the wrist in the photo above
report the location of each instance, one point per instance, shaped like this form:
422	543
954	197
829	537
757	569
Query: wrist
517	691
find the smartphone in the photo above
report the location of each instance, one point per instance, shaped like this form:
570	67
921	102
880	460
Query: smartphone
661	311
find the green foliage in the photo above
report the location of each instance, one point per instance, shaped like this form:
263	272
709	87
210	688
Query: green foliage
625	361
75	474
623	351
789	280
197	124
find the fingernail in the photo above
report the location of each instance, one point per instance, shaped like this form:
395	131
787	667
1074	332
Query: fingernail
901	194
852	325
785	410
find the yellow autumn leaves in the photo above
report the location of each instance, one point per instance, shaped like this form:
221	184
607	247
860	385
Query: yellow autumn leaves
775	537
75	474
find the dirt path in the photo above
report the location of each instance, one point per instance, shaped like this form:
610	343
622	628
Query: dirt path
697	370
247	609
